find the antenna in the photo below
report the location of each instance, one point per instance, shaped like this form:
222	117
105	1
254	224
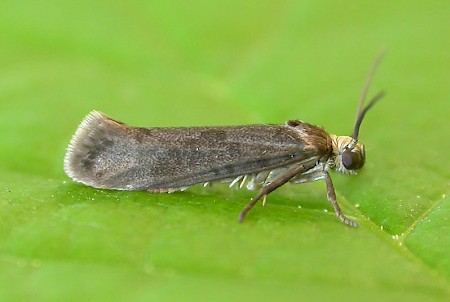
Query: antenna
361	112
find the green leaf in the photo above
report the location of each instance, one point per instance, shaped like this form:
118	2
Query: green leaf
167	63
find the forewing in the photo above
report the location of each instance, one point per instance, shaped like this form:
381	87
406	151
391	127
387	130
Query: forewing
107	154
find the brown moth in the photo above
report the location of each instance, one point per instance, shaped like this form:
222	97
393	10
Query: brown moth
108	154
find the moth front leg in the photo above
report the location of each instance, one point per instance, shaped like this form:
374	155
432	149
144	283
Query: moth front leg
331	195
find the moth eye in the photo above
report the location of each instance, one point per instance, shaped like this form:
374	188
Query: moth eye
352	160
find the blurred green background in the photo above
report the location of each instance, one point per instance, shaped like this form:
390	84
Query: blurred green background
173	63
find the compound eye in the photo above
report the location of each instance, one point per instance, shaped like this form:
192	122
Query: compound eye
352	160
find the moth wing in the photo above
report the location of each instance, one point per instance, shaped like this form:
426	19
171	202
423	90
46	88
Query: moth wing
105	153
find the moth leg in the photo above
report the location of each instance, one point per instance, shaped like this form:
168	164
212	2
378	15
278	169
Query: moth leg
166	190
271	186
331	195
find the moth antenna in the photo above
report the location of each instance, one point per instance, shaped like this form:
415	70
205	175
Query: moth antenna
362	111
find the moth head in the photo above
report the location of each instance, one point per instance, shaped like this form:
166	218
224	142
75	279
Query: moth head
349	154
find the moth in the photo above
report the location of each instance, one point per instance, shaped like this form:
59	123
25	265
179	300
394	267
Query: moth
105	153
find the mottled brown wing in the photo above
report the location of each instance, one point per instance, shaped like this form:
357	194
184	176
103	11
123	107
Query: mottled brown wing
104	153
